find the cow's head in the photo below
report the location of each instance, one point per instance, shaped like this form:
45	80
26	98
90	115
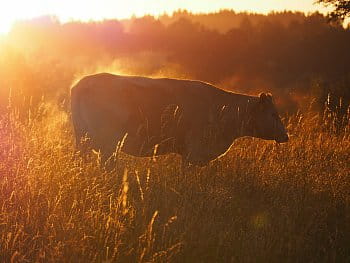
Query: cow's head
264	121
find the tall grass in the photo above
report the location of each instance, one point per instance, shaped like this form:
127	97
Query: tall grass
261	202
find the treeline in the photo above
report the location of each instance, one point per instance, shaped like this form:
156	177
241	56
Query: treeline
286	53
225	20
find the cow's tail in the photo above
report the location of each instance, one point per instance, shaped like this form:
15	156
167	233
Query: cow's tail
79	124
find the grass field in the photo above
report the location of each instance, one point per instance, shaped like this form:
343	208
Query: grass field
261	202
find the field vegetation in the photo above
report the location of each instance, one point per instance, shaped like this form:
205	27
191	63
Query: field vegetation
261	202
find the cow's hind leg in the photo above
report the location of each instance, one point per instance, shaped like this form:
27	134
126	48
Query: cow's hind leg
111	151
186	168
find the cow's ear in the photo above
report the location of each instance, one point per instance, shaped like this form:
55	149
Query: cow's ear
262	97
265	97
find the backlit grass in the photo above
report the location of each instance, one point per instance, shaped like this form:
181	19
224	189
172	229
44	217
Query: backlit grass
261	202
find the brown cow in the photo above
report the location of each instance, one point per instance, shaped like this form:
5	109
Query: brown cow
190	118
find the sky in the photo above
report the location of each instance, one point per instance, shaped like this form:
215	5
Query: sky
67	10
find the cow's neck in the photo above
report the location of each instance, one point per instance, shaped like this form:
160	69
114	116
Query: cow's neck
229	125
241	106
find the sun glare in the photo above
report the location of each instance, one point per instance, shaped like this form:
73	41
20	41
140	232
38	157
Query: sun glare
5	24
105	9
17	10
94	10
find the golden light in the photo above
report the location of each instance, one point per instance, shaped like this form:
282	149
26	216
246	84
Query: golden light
6	21
67	10
14	10
5	26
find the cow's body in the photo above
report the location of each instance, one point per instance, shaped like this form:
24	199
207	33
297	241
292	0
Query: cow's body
159	116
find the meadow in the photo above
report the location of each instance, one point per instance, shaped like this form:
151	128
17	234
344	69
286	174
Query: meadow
261	202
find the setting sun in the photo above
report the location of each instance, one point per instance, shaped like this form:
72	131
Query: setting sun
98	10
6	21
5	26
17	10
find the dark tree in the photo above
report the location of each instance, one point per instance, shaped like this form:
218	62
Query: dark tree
341	9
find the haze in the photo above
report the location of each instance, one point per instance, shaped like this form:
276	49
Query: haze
101	9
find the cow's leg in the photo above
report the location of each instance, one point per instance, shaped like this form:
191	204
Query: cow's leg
184	165
110	150
186	168
214	169
83	146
